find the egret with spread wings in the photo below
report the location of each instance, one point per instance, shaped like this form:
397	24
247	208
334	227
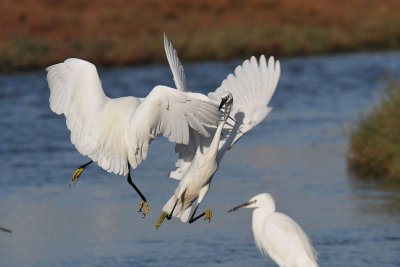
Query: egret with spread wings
251	88
115	133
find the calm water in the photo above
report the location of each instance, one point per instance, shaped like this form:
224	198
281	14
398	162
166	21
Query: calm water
297	154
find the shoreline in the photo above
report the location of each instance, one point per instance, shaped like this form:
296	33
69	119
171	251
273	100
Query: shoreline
130	33
163	61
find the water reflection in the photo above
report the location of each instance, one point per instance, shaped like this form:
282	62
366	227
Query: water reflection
377	198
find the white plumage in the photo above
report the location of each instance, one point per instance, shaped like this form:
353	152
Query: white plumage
196	180
251	86
113	132
278	235
178	72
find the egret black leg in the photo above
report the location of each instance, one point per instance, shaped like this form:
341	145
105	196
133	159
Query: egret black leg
143	206
166	215
79	171
135	187
172	211
86	164
206	214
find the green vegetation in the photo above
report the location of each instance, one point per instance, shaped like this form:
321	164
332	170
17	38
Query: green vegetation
375	142
37	33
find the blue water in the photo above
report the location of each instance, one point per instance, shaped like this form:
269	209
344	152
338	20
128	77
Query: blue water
297	154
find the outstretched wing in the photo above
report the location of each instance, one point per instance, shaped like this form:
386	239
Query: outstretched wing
98	124
252	86
173	114
113	131
175	65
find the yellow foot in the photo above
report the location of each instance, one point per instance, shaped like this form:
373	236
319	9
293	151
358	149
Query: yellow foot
161	219
144	208
76	175
208	215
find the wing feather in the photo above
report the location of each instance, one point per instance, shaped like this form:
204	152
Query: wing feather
98	124
170	113
114	131
252	86
175	65
66	81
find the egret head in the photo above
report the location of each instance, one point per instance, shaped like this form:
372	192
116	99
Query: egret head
263	200
225	99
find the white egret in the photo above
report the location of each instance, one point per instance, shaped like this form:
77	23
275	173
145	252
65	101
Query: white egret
251	88
196	182
278	235
116	133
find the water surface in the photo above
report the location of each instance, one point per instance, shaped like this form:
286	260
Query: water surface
297	154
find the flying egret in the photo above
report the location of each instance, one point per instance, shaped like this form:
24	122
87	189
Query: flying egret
116	133
251	87
195	184
278	235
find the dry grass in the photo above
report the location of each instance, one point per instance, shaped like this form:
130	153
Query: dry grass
375	142
36	33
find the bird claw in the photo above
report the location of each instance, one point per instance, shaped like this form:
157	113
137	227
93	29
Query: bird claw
75	176
208	215
144	208
161	219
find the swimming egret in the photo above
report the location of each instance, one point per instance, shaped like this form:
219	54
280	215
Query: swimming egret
251	88
278	235
116	133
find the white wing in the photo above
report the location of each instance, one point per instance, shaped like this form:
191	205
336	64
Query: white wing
175	65
286	243
111	131
252	86
187	152
98	124
173	114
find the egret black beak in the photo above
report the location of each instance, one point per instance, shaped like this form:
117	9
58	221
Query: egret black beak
242	205
223	101
5	230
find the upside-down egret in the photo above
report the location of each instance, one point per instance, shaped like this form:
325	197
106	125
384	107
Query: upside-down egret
116	133
278	235
196	182
251	86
